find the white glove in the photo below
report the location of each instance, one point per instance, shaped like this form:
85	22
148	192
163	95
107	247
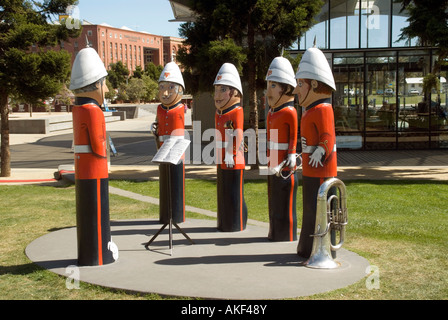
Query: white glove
291	160
228	160
316	157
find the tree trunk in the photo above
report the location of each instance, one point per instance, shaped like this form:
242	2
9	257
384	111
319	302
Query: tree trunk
252	73
5	152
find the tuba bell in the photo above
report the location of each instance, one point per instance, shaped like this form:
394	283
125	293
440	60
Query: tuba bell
331	216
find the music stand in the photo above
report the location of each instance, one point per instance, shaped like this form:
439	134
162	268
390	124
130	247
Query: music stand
170	152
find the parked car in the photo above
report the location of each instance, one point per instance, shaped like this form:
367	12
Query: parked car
350	92
389	92
414	92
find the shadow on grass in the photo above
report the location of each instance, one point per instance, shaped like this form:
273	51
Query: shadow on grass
22	269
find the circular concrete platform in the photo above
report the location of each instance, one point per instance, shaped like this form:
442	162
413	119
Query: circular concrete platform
219	265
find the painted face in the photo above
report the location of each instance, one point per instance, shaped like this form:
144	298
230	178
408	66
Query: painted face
304	92
225	97
169	93
274	93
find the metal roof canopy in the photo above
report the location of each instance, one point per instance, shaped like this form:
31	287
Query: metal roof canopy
181	11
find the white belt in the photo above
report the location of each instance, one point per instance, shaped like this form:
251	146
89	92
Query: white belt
82	149
166	137
311	149
277	146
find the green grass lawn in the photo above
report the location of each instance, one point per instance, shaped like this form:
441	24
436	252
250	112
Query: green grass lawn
399	226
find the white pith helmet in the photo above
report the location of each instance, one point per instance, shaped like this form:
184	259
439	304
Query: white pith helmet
228	76
314	65
87	69
171	73
281	71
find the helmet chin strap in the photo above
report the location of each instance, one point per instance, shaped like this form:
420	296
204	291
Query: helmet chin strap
275	104
309	89
172	101
227	103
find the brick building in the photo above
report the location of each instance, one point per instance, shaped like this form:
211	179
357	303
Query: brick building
171	46
132	48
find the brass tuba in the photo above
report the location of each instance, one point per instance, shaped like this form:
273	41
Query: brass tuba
331	216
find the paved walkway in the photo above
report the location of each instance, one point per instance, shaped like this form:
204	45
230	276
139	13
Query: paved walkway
38	156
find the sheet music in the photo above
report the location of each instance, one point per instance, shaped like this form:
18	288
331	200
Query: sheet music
171	151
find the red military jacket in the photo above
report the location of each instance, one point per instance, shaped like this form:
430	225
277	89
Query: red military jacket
227	138
171	121
282	129
317	127
90	142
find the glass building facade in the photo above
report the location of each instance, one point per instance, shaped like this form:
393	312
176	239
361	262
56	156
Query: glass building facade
379	101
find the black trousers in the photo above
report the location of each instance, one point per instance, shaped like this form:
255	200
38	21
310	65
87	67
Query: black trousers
282	208
310	188
172	193
232	210
92	221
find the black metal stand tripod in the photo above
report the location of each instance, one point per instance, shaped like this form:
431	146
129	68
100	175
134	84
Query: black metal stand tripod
170	223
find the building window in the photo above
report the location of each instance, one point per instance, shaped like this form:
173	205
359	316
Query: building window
379	103
375	28
356	25
173	54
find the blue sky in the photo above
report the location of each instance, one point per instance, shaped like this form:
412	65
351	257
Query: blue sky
141	15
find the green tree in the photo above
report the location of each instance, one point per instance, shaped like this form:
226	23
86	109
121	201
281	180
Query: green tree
138	72
136	89
153	71
261	28
118	74
151	88
111	94
428	22
122	93
27	70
